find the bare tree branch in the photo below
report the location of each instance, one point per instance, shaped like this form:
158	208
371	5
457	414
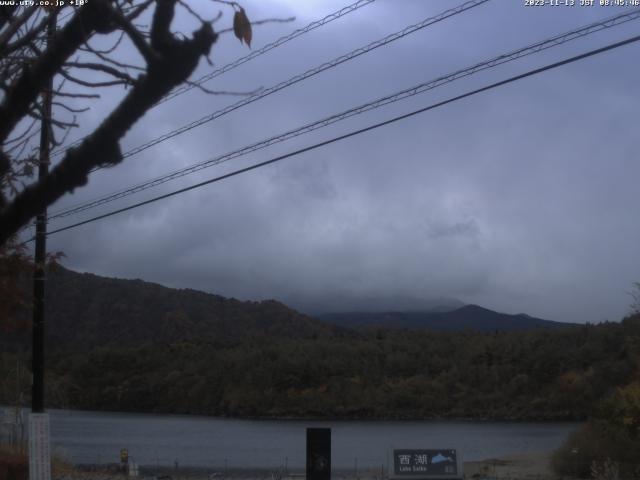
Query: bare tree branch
261	22
176	60
116	44
15	25
94	16
90	39
138	40
91	84
30	36
70	109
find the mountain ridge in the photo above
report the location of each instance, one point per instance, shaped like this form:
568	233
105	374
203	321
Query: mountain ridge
468	317
85	310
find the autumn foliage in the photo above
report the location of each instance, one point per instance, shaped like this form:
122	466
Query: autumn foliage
15	268
13	465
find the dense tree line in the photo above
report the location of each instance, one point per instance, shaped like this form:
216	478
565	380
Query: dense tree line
608	445
541	374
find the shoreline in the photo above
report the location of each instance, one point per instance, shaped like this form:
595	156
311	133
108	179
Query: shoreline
353	418
526	466
520	465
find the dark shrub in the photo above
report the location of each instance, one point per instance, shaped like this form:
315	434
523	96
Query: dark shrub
597	441
13	466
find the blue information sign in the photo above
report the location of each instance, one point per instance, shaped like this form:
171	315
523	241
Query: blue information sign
425	463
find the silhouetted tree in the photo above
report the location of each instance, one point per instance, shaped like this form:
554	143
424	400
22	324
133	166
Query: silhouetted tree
29	60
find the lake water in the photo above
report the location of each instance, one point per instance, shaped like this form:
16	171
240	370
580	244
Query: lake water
96	437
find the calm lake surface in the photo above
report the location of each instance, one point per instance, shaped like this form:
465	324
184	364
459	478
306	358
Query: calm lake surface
96	437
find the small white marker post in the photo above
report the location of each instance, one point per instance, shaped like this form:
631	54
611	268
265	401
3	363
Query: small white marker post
39	454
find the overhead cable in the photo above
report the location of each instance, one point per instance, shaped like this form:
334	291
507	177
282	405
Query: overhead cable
266	48
308	74
256	53
305	75
403	94
357	132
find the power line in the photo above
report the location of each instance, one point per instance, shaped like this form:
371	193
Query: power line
256	53
359	131
308	74
403	94
303	76
266	48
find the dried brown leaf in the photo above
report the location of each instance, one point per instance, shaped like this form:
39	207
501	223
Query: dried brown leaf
242	27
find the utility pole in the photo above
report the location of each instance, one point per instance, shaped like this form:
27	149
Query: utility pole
39	451
39	275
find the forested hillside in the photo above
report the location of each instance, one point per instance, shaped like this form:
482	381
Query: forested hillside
84	311
131	345
558	374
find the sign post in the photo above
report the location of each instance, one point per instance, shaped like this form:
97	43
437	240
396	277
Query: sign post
318	454
442	464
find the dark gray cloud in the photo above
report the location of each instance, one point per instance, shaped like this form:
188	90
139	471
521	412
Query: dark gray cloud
520	199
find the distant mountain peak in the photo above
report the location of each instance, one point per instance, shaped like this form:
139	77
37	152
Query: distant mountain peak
467	317
472	307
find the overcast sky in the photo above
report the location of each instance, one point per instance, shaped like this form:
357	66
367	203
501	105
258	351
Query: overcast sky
521	199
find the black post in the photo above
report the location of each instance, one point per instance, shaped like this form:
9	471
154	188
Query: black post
318	453
37	392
